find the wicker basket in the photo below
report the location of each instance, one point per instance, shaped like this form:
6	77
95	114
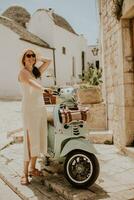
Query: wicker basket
49	98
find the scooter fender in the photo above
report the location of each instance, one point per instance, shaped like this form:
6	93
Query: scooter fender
80	144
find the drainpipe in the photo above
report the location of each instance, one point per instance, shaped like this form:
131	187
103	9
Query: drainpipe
54	67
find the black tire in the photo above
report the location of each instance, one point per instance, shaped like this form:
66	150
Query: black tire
90	168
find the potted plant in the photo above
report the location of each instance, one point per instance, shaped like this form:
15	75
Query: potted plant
89	91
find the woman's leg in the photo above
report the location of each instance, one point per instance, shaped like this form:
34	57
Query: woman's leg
33	171
26	165
24	177
33	163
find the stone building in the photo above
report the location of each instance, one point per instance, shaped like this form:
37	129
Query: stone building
17	14
71	49
14	38
117	60
51	35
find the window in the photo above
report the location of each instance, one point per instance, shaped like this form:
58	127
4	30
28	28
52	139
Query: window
83	62
63	50
97	64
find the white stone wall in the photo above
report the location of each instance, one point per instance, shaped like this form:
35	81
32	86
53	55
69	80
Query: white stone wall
42	25
74	46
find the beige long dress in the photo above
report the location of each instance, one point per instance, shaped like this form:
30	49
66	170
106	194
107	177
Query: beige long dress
34	117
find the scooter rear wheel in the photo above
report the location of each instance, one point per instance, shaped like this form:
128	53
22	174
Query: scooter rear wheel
81	168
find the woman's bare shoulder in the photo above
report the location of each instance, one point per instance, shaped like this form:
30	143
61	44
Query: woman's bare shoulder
24	72
23	75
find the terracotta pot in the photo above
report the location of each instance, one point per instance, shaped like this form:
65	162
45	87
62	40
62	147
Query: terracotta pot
90	95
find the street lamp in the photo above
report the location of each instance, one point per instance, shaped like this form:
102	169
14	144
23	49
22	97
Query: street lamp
95	51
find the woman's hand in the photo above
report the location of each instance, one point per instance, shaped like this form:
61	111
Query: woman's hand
48	90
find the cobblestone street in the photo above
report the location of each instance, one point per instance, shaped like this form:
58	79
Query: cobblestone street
116	171
10	119
115	181
7	193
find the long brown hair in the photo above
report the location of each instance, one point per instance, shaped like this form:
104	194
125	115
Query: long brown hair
35	70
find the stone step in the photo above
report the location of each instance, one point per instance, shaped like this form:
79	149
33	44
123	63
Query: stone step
101	137
60	185
54	179
35	190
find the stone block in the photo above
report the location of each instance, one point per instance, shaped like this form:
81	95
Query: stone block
101	137
130	138
118	131
110	97
130	126
128	78
109	81
119	95
61	187
129	94
128	67
110	111
97	116
129	113
118	113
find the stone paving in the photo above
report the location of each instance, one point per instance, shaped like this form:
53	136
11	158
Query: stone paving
6	193
116	180
10	112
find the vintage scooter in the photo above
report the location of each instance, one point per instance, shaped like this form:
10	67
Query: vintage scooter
67	141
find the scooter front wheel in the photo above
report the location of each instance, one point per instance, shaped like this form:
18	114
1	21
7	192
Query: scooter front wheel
81	168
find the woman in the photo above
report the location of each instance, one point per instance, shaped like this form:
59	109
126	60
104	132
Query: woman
33	113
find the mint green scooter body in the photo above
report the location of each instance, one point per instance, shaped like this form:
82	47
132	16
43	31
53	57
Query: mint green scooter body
62	141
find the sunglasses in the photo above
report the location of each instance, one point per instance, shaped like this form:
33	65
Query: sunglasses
30	55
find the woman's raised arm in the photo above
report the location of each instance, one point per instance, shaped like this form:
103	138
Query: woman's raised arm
45	64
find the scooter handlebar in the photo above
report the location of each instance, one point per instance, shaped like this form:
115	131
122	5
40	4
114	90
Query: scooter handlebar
55	92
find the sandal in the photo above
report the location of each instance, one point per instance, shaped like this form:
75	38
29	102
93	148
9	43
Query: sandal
35	172
24	180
